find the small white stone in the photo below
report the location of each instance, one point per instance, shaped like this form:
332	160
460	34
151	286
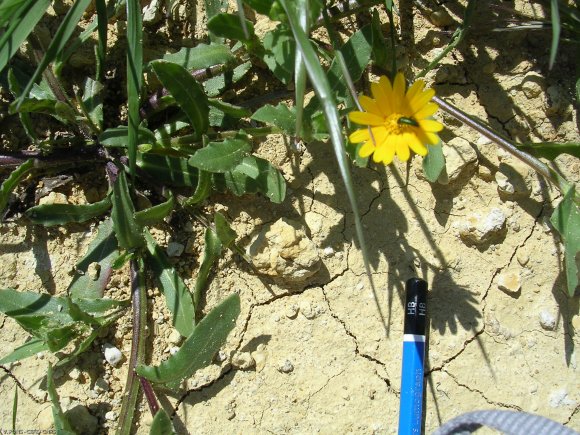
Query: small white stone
175	249
173	350
460	158
547	320
94	270
260	357
328	251
478	229
285	367
53	198
307	310
221	356
74	373
559	399
174	337
292	311
111	416
509	281
112	354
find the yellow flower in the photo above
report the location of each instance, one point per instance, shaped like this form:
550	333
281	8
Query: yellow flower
398	122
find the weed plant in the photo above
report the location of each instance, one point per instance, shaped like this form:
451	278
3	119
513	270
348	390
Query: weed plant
181	142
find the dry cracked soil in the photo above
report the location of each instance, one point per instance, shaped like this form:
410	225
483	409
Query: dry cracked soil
310	352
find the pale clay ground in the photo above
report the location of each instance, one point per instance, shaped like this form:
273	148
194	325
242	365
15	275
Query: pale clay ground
312	355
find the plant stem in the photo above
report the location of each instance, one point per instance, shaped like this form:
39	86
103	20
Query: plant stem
149	395
504	143
139	299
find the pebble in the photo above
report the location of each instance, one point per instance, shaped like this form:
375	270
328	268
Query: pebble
74	373
173	350
459	157
307	310
94	270
174	337
509	281
243	361
175	249
559	399
441	18
292	311
81	420
479	229
260	356
151	12
523	258
53	198
101	385
285	367
547	320
532	84
112	354
513	180
328	251
111	416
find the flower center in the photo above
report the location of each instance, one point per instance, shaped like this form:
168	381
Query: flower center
393	125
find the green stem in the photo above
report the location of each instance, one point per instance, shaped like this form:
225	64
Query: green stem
194	139
139	297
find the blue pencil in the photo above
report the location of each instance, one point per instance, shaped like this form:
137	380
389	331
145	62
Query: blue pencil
411	404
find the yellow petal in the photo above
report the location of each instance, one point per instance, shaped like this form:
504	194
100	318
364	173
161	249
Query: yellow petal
366	150
432	138
398	92
388	155
421	100
369	105
426	111
402	150
416	145
380	153
365	118
383	93
379	135
416	88
430	125
359	135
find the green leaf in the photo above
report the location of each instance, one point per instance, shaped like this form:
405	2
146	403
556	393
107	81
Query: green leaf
118	137
60	214
434	162
268	182
321	85
279	52
155	214
172	171
93	102
217	84
22	18
223	230
103	252
230	26
566	220
177	295
25	119
128	232
188	93
200	347
161	424
61	424
63	112
551	150
30	348
67	27
271	8
280	116
134	77
211	252
555	14
202	189
201	56
230	109
220	156
12	181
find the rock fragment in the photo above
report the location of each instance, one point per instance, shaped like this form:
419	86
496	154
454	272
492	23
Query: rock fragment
112	355
547	320
460	157
175	249
285	366
509	281
480	229
243	361
513	180
283	250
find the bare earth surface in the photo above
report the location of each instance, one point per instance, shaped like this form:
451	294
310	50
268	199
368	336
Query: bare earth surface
310	352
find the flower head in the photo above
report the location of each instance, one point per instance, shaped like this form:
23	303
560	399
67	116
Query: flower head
397	121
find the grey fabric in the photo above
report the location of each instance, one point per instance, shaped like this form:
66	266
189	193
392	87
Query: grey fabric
508	422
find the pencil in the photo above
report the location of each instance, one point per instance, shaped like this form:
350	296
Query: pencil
411	403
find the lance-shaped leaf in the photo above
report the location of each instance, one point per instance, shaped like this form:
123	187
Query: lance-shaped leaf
92	102
230	26
64	32
60	214
200	347
566	220
172	171
177	295
12	181
201	56
279	53
30	348
22	20
220	156
61	424
129	233
101	254
155	214
551	150
117	137
434	162
223	230
161	424
211	252
188	93
280	116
